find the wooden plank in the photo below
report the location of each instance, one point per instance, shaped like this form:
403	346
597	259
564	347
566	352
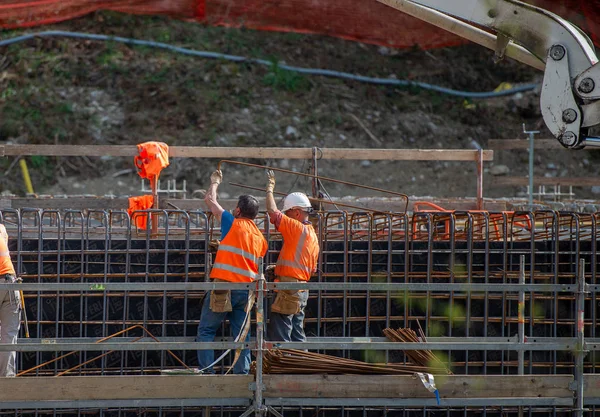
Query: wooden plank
563	181
73	203
406	154
591	385
523	144
251	152
237	152
68	150
391	386
125	387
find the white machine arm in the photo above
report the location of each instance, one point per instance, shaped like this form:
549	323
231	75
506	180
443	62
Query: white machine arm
570	97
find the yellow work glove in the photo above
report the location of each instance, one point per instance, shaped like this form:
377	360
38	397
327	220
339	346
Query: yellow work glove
270	181
216	177
270	273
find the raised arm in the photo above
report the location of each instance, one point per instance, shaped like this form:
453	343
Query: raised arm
271	205
211	194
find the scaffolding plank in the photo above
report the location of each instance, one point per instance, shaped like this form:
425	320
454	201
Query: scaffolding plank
407	154
591	386
252	152
87	388
393	386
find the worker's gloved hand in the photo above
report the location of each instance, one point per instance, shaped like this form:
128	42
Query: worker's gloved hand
213	245
216	177
270	273
270	181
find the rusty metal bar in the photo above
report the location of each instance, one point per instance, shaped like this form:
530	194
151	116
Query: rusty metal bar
366	187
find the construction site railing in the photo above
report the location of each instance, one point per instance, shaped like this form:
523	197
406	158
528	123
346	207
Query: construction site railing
577	345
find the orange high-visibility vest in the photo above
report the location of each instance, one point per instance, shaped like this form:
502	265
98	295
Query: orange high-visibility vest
238	253
300	251
139	203
6	266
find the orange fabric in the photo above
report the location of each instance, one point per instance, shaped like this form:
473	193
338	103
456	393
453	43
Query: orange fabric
6	265
363	21
143	202
300	251
238	253
152	158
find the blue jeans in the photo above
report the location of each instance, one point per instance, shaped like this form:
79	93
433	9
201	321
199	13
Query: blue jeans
290	327
210	323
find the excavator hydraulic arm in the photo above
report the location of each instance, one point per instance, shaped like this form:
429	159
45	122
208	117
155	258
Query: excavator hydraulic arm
570	95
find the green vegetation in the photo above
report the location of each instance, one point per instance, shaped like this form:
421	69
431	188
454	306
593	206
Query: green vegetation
282	79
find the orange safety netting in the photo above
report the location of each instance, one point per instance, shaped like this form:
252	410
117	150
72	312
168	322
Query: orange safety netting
364	20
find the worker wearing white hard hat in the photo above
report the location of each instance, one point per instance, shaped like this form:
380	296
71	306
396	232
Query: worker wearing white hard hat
296	262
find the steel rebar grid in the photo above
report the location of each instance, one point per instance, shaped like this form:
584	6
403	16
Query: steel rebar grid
361	245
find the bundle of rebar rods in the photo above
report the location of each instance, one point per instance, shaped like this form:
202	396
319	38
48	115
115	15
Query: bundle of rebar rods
425	358
291	361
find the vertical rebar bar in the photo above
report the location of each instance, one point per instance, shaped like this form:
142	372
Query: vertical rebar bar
531	134
479	159
321	233
521	322
260	326
580	354
521	318
315	172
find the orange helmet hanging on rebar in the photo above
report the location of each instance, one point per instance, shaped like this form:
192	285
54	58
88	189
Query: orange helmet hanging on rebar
152	158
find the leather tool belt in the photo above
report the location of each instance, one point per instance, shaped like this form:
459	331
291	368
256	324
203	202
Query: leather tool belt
220	300
287	301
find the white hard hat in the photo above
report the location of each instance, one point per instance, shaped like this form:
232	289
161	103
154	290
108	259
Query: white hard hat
296	200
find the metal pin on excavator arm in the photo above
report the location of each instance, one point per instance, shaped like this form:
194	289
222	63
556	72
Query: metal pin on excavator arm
570	96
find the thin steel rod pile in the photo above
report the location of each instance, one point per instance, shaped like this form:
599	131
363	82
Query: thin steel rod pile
424	358
291	361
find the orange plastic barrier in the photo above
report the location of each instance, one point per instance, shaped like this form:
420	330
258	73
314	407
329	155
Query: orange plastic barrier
365	20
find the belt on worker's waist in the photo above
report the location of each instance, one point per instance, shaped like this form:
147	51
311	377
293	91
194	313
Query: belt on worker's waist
8	277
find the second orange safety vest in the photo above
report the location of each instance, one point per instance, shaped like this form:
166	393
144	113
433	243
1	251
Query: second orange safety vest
300	251
239	252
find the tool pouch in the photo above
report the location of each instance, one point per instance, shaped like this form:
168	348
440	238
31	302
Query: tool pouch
220	301
286	302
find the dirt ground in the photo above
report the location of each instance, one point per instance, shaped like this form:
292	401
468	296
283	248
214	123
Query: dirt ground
72	91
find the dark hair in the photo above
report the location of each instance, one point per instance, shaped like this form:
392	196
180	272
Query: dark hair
248	206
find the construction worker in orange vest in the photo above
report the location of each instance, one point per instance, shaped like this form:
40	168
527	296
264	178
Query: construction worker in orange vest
296	262
10	308
237	260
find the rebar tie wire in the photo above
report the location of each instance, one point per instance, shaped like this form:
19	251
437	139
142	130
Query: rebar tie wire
104	354
367	187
